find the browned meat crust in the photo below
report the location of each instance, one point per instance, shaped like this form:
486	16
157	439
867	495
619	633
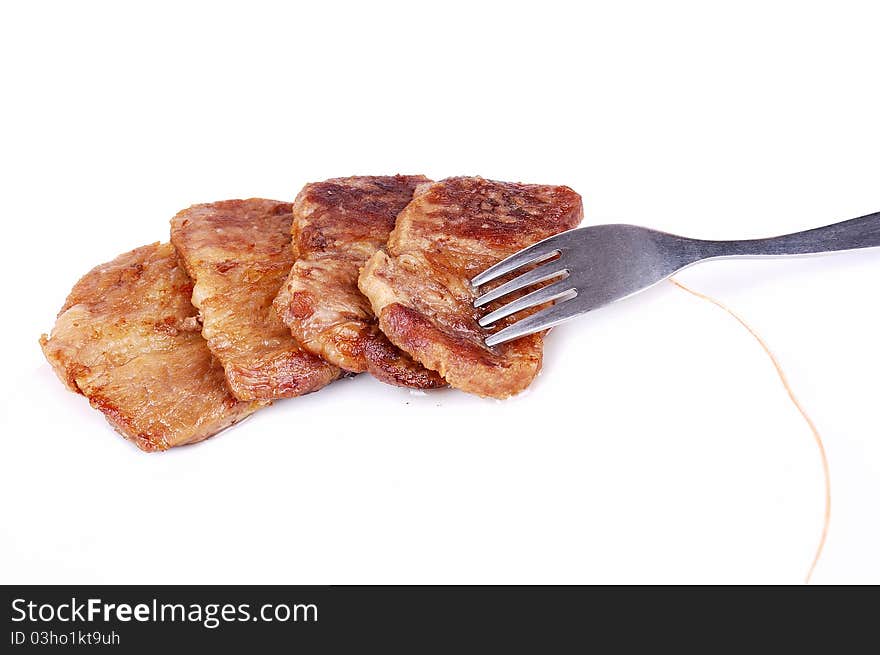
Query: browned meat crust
128	339
238	255
419	287
337	226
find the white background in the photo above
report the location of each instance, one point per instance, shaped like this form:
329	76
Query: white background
658	444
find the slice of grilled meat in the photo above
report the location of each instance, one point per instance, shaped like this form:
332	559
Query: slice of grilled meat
337	226
238	254
419	286
128	339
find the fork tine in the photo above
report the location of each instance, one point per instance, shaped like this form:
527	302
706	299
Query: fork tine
553	291
546	318
540	274
532	254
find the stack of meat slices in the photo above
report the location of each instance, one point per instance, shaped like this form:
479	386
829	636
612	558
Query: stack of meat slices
257	300
337	226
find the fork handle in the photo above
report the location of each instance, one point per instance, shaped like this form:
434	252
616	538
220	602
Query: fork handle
863	232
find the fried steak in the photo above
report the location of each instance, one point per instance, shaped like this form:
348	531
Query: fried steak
419	285
128	339
337	226
238	255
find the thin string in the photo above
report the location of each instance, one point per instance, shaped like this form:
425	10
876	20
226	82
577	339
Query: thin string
816	436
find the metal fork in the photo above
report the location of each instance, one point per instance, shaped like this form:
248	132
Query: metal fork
599	265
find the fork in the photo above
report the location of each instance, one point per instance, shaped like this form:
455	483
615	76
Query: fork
594	266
